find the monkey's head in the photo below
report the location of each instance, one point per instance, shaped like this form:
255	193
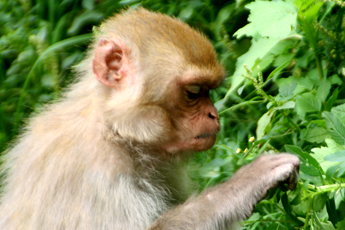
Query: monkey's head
158	72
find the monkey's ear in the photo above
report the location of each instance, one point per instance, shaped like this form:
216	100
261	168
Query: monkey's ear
108	62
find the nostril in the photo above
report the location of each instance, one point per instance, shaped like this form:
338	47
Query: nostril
210	115
213	113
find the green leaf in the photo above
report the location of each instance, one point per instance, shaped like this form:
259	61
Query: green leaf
128	2
287	105
70	60
335	127
186	13
335	80
323	89
341	224
308	8
308	158
339	111
286	81
332	170
328	226
283	59
304	84
60	27
286	205
223	15
317	135
277	70
87	17
88	4
286	90
330	102
284	48
288	210
306	103
264	124
248	31
338	156
270	19
256	52
341	169
321	152
319	202
256	216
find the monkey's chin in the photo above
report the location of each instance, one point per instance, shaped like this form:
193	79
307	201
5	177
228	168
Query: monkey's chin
204	142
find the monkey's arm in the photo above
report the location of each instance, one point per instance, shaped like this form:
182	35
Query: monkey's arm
234	200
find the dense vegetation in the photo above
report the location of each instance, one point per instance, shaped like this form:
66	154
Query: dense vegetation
284	91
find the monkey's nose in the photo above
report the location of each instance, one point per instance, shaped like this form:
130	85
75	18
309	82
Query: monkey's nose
210	115
213	116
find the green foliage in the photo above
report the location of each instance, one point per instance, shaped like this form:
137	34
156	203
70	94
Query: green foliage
39	45
290	82
285	88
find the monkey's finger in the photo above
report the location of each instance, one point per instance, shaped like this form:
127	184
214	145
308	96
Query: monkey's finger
292	182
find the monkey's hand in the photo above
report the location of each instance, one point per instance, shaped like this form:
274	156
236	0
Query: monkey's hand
270	170
254	180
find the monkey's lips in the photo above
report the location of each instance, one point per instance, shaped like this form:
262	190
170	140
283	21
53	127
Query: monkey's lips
206	135
198	143
203	142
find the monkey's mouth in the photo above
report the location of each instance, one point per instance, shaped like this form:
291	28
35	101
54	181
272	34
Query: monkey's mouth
206	135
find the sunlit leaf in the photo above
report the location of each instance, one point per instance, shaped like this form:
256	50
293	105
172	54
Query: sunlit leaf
321	152
270	19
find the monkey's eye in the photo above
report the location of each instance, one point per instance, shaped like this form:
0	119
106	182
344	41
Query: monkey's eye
193	91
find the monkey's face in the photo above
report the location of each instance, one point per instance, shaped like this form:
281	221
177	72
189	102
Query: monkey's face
160	89
194	117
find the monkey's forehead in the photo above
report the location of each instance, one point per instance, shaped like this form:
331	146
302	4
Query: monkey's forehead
148	32
209	76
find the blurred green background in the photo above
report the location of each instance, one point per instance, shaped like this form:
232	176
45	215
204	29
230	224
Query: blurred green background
284	90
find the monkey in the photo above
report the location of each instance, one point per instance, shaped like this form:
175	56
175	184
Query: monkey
109	153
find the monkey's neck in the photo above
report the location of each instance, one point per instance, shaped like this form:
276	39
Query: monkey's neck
151	168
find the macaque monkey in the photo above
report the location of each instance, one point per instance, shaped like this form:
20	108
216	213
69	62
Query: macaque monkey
107	155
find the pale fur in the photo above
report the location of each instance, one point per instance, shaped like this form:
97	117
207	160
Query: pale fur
62	174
